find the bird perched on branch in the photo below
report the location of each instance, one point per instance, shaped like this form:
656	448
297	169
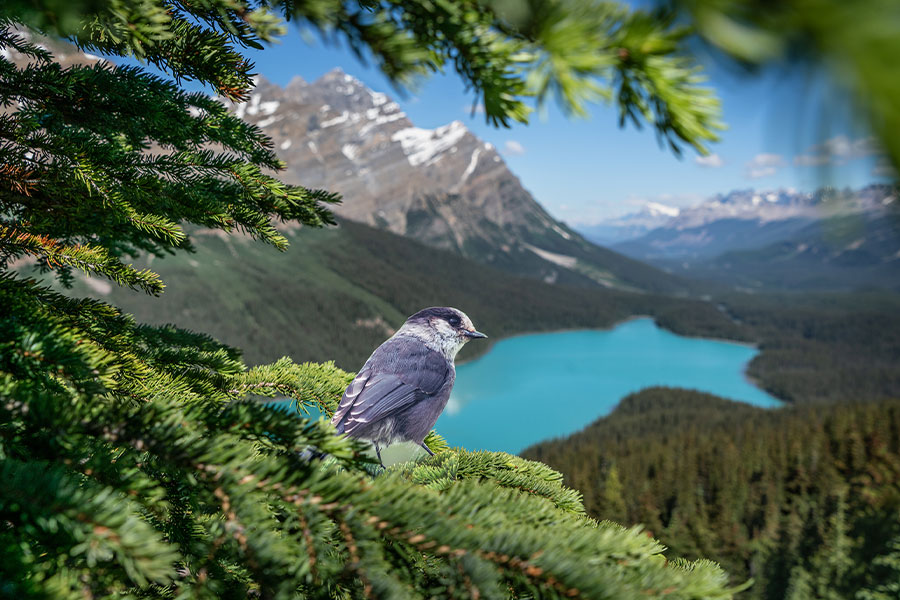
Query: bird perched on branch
402	389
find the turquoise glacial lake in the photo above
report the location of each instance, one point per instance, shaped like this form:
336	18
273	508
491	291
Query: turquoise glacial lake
534	387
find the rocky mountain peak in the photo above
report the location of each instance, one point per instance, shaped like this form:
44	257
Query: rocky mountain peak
338	134
442	186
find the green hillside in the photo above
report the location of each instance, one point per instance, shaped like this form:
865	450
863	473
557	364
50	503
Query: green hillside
336	294
838	253
803	500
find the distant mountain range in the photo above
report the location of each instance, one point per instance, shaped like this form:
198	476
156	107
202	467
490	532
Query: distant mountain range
783	239
840	252
443	187
630	226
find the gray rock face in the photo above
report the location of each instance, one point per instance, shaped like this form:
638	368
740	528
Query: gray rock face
442	186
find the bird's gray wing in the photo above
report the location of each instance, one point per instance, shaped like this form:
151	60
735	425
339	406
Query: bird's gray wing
351	394
384	395
375	395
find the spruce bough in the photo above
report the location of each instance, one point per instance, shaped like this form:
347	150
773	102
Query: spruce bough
136	461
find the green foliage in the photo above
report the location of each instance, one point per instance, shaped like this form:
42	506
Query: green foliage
803	500
136	461
823	348
101	162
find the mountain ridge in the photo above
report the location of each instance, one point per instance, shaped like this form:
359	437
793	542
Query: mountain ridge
826	240
444	187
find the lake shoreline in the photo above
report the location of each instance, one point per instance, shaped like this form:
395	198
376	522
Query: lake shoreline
589	371
745	373
492	342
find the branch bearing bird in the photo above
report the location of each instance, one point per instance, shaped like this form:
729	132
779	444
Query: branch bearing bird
402	389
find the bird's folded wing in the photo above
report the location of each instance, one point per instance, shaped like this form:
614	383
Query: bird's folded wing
374	395
350	396
383	395
371	397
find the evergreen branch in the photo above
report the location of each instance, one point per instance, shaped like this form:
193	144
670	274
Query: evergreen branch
14	40
317	386
14	242
505	470
92	524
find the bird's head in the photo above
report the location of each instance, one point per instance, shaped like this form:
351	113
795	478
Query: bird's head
443	328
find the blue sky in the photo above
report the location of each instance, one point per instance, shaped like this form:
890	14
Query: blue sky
781	135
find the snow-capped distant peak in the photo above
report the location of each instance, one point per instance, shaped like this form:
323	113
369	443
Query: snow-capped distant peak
661	210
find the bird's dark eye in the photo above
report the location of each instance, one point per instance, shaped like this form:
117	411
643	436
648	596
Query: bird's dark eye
454	321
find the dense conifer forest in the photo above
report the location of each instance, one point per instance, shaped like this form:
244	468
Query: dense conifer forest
803	500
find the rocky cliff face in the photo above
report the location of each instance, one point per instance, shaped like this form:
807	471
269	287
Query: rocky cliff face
443	186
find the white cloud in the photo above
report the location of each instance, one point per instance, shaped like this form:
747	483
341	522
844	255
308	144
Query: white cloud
838	150
764	165
513	148
713	161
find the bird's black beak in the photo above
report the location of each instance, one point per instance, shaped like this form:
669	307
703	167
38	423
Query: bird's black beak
473	334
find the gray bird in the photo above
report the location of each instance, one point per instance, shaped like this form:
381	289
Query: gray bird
402	389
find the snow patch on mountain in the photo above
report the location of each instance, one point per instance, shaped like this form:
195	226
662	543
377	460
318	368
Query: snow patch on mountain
342	118
269	120
424	146
656	209
380	119
562	260
351	151
472	164
561	232
256	106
